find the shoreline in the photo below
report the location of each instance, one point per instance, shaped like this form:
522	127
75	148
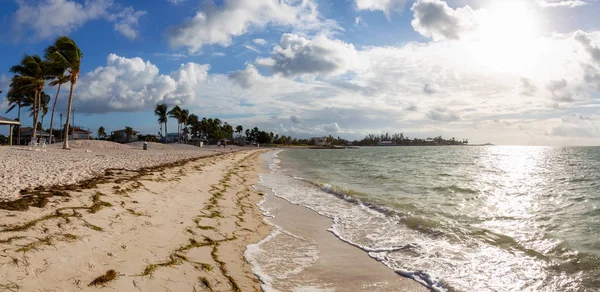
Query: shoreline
156	228
303	254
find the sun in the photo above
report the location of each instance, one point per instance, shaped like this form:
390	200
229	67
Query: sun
508	36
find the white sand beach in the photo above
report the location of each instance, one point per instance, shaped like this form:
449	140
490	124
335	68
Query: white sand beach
23	167
178	228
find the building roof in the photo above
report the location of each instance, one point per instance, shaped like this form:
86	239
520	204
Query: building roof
78	129
28	131
7	121
124	130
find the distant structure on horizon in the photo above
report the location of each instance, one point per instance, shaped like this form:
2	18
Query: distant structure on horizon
386	143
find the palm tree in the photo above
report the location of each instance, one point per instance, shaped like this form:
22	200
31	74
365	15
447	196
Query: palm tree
239	130
43	105
57	71
101	132
183	120
67	54
161	112
31	75
194	124
175	113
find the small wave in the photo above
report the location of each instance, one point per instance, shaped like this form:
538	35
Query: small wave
455	189
421	277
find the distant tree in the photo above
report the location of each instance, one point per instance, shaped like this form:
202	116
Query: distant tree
175	113
183	120
101	133
239	129
161	111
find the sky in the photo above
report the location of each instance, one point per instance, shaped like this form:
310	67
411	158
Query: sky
513	72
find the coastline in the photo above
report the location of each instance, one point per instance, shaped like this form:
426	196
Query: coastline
182	226
302	254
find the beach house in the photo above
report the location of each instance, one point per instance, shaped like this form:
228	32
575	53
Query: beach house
122	136
27	134
78	133
319	141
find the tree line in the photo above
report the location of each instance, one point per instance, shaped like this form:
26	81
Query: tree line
400	140
59	65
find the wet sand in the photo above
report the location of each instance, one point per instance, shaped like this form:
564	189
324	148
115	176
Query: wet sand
304	256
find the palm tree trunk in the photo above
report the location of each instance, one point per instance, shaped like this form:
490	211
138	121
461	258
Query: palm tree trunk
19	126
70	104
53	107
35	113
166	134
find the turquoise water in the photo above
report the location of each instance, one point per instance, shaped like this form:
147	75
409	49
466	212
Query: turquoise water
460	218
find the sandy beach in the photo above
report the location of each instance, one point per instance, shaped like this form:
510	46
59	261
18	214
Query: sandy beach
24	167
148	226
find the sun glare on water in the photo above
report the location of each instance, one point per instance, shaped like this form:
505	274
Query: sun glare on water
508	39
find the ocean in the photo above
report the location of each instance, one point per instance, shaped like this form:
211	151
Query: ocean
499	218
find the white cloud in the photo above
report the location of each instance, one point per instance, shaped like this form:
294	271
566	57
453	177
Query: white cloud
49	18
247	77
296	55
436	20
332	128
126	22
527	87
585	40
252	48
172	56
260	42
561	3
431	88
387	6
218	54
442	114
559	89
576	125
131	84
176	1
220	24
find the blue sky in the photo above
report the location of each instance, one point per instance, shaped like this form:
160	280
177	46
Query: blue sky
508	72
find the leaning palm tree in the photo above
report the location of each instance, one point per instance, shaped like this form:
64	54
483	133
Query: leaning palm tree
101	132
57	71
67	54
175	113
30	76
161	111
